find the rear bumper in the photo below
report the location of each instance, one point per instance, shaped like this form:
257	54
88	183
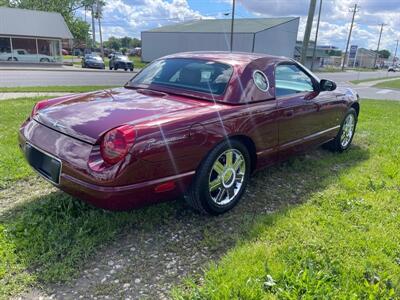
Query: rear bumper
125	197
76	180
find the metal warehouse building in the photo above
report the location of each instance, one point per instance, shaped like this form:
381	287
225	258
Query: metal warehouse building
276	36
31	36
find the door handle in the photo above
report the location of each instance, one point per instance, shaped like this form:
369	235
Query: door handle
289	113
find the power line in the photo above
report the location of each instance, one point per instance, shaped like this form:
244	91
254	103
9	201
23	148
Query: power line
379	43
232	23
307	33
316	35
395	52
354	11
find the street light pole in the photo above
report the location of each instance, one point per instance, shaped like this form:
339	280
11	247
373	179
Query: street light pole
307	33
93	28
232	22
316	35
355	10
379	44
99	15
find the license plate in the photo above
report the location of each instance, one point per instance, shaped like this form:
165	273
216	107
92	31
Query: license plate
46	165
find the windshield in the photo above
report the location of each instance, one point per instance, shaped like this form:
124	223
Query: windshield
94	57
186	74
121	57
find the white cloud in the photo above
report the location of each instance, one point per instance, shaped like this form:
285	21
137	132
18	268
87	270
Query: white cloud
336	16
139	15
130	17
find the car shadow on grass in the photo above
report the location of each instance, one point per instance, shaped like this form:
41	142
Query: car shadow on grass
55	237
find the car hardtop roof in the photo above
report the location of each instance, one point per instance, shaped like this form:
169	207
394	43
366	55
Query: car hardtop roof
230	58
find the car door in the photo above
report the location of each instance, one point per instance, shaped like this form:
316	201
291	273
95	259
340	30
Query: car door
297	115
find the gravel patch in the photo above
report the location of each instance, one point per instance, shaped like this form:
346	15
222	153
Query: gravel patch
146	262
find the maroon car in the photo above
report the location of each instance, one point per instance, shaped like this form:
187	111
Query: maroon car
194	124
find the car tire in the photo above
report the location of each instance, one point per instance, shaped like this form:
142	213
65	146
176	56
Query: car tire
126	69
116	67
345	135
230	182
109	67
12	59
45	60
131	70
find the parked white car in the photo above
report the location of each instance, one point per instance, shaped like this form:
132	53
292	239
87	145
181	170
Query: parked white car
394	69
25	56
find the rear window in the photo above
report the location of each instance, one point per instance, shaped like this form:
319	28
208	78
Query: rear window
186	74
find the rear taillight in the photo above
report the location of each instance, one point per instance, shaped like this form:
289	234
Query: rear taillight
116	143
39	105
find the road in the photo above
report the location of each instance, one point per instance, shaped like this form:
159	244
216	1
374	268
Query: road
11	78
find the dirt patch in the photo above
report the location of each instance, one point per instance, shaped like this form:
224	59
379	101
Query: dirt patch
146	261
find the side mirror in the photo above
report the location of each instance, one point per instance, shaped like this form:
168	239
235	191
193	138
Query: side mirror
327	85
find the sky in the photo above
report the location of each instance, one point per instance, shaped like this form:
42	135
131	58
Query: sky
130	17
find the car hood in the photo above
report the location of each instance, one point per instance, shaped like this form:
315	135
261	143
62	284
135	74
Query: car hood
88	116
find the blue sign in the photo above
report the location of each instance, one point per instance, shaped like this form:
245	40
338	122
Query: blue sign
353	51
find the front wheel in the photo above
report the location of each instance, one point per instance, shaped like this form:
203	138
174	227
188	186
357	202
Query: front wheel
346	133
221	179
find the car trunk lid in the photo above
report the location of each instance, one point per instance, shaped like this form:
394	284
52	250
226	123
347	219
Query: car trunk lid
87	117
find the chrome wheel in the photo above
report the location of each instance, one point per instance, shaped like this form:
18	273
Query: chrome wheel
347	130
226	177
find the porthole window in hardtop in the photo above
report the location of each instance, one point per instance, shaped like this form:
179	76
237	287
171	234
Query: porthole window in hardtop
260	80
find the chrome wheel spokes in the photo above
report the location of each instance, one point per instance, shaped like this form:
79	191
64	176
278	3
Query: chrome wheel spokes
347	130
226	177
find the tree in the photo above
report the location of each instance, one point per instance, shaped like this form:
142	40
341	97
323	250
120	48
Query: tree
113	43
135	43
384	54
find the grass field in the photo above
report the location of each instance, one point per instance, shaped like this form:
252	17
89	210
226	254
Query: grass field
61	89
372	79
393	84
12	164
341	242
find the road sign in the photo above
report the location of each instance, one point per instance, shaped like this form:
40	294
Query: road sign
353	51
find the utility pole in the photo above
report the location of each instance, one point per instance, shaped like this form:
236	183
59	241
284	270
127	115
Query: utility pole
354	11
93	28
395	52
379	43
307	33
316	35
99	14
232	22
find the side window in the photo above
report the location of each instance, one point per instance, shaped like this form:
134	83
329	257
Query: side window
290	79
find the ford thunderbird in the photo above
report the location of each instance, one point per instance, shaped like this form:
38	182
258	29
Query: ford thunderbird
195	124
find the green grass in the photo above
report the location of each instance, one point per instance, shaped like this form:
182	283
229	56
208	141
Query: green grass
393	84
372	79
342	243
12	163
61	89
329	70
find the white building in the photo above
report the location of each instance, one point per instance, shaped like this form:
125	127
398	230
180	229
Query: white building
275	36
31	36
